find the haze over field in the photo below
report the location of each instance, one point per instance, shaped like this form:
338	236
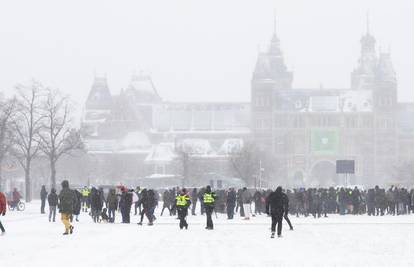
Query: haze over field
195	50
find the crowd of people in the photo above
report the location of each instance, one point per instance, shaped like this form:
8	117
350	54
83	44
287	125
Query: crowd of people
317	202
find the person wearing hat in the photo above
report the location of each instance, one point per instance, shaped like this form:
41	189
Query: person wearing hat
67	201
182	202
209	198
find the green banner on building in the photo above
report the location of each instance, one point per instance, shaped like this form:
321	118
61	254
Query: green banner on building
324	141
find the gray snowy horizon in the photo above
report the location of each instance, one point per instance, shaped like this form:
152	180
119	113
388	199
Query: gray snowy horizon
196	51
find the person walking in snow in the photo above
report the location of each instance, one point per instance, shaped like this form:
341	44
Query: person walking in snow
112	204
149	202
3	207
286	210
194	198
52	199
231	203
246	199
125	205
166	202
43	196
182	203
275	208
67	201
96	204
77	208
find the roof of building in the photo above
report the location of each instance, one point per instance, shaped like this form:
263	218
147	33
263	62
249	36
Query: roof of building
324	100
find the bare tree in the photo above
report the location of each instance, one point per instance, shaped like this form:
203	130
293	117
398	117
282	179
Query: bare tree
57	137
7	112
245	162
27	127
403	173
250	163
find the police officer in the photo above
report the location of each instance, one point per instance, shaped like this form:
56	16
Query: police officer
85	196
208	201
182	202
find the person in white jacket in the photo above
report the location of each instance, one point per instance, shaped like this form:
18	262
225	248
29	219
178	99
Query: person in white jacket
246	198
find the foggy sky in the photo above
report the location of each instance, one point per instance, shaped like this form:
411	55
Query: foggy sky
195	50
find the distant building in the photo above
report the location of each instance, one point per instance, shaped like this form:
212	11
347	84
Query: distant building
307	130
145	136
304	130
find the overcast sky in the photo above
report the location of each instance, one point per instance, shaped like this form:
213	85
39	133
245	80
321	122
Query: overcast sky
196	50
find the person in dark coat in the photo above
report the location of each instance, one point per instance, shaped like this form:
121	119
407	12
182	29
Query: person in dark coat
200	198
78	204
194	198
136	204
43	197
275	208
96	204
112	204
166	202
149	202
125	205
153	203
356	200
257	202
67	200
102	196
286	210
231	203
240	202
52	200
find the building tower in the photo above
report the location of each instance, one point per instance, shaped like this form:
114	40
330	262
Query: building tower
363	77
270	74
99	96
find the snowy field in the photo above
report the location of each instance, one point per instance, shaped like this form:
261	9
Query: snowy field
335	241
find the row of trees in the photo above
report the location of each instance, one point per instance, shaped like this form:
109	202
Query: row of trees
36	121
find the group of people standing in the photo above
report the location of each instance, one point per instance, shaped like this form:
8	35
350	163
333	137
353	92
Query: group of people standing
375	201
277	204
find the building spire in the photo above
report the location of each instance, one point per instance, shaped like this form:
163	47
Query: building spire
367	22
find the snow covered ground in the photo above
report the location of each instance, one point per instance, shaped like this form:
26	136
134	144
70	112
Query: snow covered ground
335	241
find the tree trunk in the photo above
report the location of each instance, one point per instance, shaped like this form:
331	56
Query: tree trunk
53	173
28	183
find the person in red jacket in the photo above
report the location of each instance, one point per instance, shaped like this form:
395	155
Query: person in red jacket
3	206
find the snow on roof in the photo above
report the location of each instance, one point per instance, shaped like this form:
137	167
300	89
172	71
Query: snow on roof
162	153
95	115
356	100
231	146
100	145
162	176
324	100
141	85
196	146
132	143
134	140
